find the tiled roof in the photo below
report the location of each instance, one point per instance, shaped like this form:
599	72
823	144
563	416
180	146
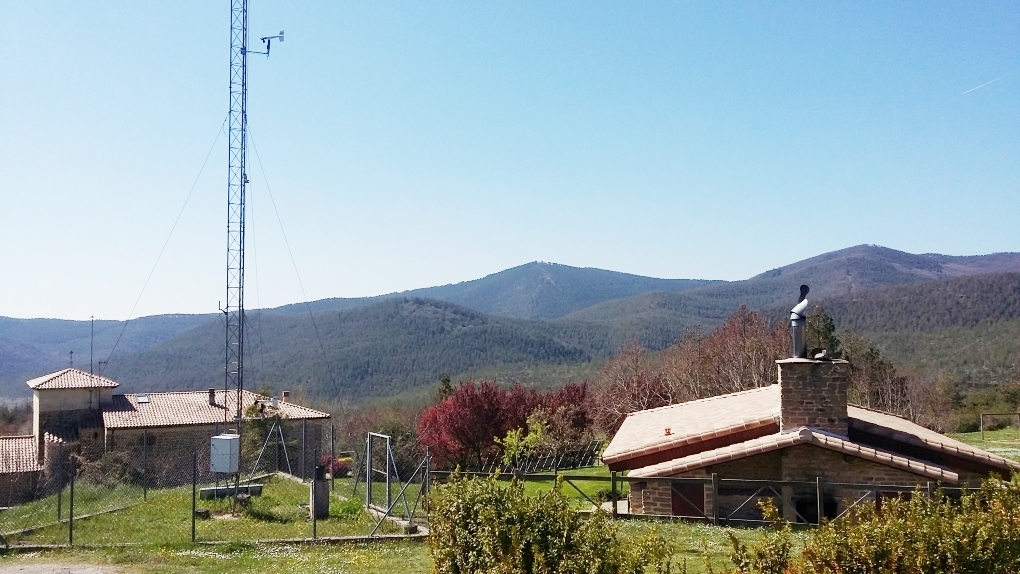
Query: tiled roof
900	429
791	438
644	432
191	408
71	379
18	454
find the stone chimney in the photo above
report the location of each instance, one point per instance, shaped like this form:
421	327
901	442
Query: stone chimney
813	394
212	397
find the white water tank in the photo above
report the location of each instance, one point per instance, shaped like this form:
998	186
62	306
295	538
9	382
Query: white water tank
225	453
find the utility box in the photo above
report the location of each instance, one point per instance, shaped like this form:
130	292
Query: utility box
225	453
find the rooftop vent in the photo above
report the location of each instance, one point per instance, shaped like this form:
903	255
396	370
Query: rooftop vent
797	322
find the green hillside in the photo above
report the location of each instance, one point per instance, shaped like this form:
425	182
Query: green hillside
379	350
532	291
932	311
33	347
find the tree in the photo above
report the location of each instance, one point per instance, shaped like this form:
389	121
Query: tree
463	427
445	387
738	355
821	332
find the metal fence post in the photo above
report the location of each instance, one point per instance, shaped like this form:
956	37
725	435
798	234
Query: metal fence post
332	458
194	487
715	498
145	456
368	471
70	508
821	503
388	451
612	491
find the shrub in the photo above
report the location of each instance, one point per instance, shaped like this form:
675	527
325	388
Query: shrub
336	467
770	554
482	525
978	533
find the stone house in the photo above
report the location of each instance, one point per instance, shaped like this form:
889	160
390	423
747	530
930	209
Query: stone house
162	431
800	433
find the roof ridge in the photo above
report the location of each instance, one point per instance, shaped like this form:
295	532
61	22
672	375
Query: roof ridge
183	392
17	436
874	410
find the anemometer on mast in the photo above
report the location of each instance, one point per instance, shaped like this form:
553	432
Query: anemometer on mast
237	180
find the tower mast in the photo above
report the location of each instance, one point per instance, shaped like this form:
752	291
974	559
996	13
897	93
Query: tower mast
237	180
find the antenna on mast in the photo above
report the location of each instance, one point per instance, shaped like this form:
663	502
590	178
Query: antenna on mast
237	180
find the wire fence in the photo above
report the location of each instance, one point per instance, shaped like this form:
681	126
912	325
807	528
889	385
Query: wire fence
292	482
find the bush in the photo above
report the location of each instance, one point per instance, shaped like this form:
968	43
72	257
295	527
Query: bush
482	525
771	553
978	533
114	468
336	467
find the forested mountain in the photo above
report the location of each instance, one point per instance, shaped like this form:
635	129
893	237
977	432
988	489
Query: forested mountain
920	308
845	272
31	347
382	349
532	291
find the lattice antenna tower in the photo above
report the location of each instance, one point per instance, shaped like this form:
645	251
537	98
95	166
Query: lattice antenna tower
237	181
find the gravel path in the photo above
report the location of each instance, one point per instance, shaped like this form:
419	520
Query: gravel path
43	568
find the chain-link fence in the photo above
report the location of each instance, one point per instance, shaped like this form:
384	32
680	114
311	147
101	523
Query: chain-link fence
157	488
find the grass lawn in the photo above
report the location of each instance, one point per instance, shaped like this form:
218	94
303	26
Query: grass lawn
1004	442
690	544
165	519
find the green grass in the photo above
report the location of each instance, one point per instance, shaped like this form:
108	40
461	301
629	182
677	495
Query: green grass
166	519
689	543
373	558
1004	442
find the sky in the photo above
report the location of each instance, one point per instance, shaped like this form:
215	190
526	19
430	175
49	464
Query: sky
410	144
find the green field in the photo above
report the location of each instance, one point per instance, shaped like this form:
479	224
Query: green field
165	518
1004	442
690	544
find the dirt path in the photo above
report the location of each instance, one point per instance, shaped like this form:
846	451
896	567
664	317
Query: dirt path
57	568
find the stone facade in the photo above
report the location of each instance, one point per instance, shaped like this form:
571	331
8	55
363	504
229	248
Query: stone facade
813	394
801	463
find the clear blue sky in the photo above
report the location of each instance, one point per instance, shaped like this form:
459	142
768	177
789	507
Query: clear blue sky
421	143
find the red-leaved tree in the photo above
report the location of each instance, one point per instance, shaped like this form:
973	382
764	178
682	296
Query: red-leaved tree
462	428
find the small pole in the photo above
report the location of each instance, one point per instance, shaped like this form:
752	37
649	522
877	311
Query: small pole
715	498
315	511
145	456
368	471
70	508
304	434
388	494
818	494
332	458
612	491
194	487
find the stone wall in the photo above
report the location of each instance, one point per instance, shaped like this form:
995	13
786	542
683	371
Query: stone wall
801	463
813	394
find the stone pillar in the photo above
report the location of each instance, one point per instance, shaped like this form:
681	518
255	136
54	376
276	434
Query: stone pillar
813	394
